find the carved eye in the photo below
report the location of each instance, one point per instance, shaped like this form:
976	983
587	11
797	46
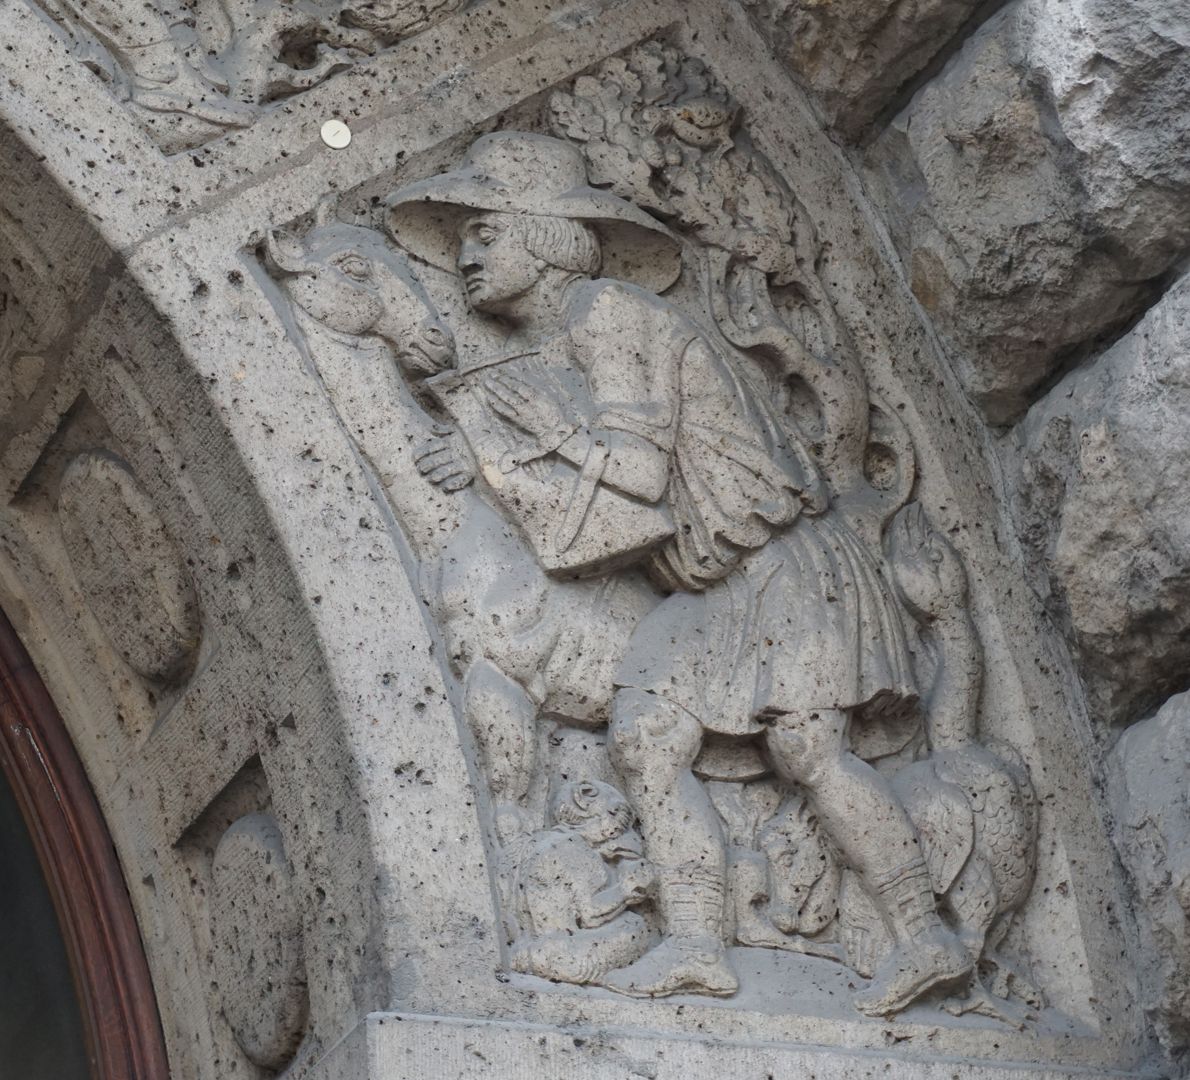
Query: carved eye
356	267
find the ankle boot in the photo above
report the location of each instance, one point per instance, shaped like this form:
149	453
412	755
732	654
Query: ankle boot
691	957
926	953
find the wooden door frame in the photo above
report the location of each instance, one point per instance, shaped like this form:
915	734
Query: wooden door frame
119	1009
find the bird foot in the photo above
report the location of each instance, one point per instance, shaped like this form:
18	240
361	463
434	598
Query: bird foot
980	1002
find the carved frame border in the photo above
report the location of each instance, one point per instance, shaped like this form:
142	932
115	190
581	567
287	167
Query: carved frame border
111	975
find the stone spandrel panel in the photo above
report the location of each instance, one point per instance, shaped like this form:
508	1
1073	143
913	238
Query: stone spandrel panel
715	661
626	656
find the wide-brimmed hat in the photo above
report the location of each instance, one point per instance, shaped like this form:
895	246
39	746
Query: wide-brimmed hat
515	172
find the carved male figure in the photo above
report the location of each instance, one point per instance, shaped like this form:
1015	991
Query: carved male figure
777	626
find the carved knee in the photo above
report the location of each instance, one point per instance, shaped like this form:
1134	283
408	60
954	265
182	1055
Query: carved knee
649	732
802	745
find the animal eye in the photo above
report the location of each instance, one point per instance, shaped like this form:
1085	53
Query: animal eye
355	266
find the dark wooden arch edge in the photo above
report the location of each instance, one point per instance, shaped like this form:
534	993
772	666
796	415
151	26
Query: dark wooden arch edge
116	999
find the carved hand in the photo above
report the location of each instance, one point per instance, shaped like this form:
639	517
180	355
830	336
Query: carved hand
604	906
636	877
440	462
538	410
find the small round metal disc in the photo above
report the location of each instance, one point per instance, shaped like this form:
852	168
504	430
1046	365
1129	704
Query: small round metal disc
336	134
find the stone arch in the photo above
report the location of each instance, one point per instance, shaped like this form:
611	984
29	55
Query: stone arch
167	540
116	999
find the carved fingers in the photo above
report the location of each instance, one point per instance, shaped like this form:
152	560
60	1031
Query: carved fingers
536	409
439	461
604	906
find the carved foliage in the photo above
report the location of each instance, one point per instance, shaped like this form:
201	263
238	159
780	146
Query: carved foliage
726	710
659	130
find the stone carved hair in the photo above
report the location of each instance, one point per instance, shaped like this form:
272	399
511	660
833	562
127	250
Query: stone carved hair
561	242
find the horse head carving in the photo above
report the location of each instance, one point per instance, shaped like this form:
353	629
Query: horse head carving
347	278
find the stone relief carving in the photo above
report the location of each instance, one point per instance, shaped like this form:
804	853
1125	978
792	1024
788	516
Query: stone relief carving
132	575
573	885
256	930
973	805
192	72
524	643
656	504
783	878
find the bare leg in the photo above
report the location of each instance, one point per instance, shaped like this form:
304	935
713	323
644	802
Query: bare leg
653	744
875	837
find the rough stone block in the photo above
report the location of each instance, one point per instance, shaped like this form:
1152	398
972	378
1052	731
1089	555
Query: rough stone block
1151	788
1103	505
853	56
1040	186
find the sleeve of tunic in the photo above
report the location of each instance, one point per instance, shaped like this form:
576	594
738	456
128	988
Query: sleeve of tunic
629	344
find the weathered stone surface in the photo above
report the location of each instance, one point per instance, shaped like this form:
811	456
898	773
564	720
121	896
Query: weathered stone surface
603	579
257	936
193	73
1117	74
399	1046
1103	469
1040	184
853	55
1150	774
129	567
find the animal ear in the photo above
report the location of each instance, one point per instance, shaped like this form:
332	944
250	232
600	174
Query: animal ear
284	252
327	210
585	794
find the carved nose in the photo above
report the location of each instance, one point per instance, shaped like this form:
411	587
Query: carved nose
783	917
469	258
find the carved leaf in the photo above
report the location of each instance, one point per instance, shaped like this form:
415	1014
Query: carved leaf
658	129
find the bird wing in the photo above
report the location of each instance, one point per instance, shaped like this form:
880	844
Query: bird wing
945	824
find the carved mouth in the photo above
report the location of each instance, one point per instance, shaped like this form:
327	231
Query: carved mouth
426	360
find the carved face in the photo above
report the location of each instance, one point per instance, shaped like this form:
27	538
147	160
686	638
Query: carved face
496	265
340	291
341	277
803	877
598	811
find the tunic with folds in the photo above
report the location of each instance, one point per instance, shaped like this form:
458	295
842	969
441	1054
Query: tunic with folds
775	605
